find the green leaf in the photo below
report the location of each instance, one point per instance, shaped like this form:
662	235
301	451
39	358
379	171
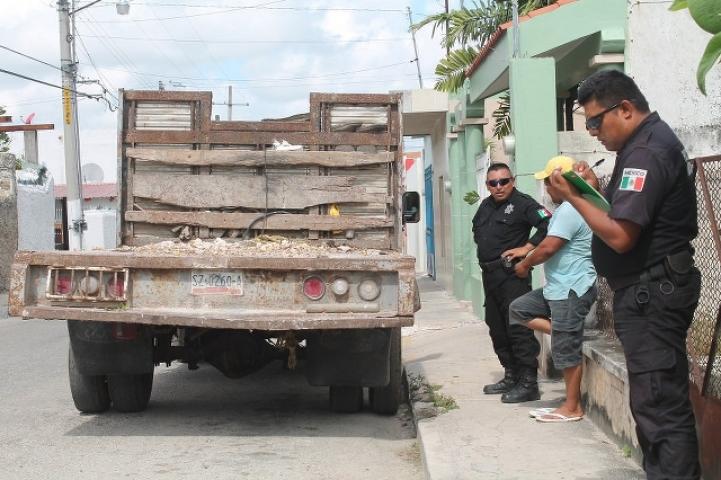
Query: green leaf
709	58
678	5
452	69
471	197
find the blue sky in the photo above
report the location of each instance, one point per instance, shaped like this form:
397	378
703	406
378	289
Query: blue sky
273	53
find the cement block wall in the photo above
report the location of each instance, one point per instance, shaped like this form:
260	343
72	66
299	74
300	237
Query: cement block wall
8	217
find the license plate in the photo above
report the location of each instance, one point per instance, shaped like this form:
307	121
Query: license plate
207	282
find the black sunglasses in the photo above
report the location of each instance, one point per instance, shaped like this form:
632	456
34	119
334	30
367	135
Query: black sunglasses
594	122
501	181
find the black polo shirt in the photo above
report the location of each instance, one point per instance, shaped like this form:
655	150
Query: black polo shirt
498	227
652	185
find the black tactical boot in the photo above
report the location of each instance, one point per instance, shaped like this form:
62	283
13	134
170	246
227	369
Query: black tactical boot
526	390
508	381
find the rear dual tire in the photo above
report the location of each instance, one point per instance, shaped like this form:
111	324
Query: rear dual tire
95	393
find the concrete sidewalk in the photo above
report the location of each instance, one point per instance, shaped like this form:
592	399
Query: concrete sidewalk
484	438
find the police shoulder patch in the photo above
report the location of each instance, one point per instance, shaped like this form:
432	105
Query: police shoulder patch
543	213
633	180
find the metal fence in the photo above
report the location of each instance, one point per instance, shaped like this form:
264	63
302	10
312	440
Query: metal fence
704	334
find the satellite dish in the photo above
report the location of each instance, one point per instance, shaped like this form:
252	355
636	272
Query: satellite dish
92	173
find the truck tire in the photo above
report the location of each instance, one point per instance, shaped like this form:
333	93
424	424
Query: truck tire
345	399
130	393
385	400
89	392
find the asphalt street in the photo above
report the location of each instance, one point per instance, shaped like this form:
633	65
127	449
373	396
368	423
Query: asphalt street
199	424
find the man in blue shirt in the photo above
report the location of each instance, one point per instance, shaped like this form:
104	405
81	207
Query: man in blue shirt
561	306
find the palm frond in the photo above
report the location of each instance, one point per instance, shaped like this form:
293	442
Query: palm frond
502	116
452	69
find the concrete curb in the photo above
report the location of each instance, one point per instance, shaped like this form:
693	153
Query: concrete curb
415	408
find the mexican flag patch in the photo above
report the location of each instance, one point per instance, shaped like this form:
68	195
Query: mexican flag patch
543	213
633	179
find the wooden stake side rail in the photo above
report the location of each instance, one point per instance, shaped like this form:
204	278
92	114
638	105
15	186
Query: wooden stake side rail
287	222
258	138
258	158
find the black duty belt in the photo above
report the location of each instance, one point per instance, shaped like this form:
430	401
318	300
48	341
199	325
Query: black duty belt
679	263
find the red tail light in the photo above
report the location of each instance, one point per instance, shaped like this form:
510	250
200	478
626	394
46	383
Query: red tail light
313	288
64	284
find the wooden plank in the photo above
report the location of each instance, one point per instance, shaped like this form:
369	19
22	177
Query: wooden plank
275	222
166	96
27	128
220	191
257	158
265	126
261	138
355	98
252	320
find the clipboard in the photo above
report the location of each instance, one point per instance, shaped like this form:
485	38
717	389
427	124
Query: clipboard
587	191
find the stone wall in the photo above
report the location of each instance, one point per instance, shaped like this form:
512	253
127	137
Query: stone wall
8	218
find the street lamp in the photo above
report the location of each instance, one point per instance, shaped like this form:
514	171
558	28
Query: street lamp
71	137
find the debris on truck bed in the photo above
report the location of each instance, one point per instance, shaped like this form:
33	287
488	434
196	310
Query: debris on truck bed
263	245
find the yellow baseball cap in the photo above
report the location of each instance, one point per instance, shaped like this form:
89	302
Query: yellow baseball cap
562	162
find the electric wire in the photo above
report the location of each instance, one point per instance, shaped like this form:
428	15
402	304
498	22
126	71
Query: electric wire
241	80
48	84
31	57
289	41
205	14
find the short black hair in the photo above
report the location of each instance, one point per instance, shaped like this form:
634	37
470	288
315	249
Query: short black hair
610	87
498	166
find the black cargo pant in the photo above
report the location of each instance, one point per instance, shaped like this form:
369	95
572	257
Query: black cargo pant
651	320
515	345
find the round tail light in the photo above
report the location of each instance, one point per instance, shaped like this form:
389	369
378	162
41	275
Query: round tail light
369	289
313	288
89	285
339	286
116	289
63	285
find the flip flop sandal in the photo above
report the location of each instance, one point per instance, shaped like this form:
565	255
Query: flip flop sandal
537	412
556	418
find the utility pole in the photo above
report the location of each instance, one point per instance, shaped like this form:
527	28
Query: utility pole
448	47
229	103
71	134
516	33
415	46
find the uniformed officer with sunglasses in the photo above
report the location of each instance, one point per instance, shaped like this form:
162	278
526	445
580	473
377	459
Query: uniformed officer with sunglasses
643	248
501	229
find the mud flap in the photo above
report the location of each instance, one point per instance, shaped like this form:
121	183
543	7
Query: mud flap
99	349
356	357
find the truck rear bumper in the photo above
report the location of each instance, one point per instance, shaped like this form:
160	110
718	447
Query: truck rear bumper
242	321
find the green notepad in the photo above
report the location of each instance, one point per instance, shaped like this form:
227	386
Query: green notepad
587	191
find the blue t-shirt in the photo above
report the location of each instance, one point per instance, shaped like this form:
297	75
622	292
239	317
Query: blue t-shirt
571	267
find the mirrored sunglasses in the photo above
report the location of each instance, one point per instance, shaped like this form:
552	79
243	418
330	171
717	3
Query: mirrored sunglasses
501	181
594	122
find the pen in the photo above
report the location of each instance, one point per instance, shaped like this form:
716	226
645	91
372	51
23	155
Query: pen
598	163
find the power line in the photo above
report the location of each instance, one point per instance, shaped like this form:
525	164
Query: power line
31	57
25	77
225	6
205	14
145	39
163	75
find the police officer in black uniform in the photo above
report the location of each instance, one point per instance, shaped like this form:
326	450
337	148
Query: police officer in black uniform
501	229
642	246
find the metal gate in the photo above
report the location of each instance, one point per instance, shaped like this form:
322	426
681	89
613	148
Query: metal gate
430	243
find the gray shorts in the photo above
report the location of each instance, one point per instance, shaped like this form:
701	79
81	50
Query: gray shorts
567	317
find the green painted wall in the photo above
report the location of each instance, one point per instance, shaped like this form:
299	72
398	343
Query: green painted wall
533	116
